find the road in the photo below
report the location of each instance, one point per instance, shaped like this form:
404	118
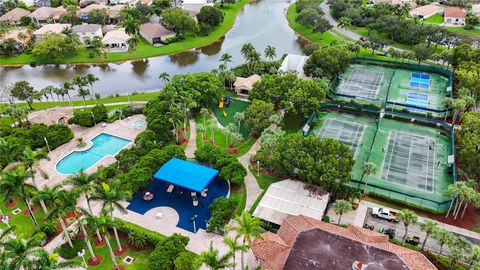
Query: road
413	230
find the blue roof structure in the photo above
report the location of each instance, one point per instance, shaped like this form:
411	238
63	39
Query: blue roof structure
186	174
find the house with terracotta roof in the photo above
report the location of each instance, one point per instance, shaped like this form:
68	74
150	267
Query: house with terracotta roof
116	40
304	243
244	85
21	38
454	16
46	15
155	33
48	29
13	16
426	11
410	3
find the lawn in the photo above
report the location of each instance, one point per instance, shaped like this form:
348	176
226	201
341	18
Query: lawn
323	39
144	96
436	19
24	224
263	180
143	49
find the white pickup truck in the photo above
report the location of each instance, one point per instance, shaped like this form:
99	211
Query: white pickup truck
385	213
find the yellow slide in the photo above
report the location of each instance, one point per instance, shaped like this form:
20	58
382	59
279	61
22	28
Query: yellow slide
225	113
220	105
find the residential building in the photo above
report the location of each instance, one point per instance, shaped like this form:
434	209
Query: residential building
454	16
195	5
118	2
41	3
46	15
13	16
84	3
294	63
244	85
424	12
83	13
116	40
304	243
155	33
54	28
114	12
88	31
410	3
274	207
21	38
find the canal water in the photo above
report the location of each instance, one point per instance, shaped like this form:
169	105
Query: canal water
260	23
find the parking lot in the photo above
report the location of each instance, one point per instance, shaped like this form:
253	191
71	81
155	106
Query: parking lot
413	230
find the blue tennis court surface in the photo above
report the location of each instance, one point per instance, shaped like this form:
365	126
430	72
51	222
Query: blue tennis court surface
420	81
417	100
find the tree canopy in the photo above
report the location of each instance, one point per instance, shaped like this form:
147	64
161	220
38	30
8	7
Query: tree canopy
327	62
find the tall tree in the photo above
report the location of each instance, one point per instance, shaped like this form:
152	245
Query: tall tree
131	25
22	253
341	207
225	59
90	79
22	90
81	91
111	198
46	261
213	260
248	227
13	184
368	168
164	77
238	118
31	160
407	217
105	222
429	227
234	246
270	52
442	237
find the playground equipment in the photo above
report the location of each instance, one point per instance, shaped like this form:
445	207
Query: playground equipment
220	105
227	100
224	113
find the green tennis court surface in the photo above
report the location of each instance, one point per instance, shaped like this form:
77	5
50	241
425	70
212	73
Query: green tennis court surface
419	90
411	160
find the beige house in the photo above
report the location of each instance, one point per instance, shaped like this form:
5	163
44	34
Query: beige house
116	40
244	85
155	33
454	16
114	12
53	28
46	15
83	13
87	31
13	16
411	3
424	12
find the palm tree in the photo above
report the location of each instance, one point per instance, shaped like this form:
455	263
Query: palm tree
443	237
6	235
48	91
248	228
458	105
13	184
212	259
81	91
60	203
59	92
368	168
174	115
429	227
8	150
132	43
474	258
253	58
90	79
238	118
225	59
46	261
131	25
458	247
111	198
21	253
66	88
202	129
270	52
341	207
212	125
80	221
104	222
344	22
234	246
84	183
165	77
31	160
229	130
247	48
408	217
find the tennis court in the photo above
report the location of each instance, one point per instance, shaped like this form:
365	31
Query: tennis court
365	81
411	159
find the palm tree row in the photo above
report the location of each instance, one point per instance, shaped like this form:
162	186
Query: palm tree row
252	56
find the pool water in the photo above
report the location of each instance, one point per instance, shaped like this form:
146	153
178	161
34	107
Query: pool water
103	145
139	123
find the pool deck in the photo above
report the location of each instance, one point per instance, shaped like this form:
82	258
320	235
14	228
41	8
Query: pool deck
121	128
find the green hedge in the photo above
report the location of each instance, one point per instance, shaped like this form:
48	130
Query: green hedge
153	238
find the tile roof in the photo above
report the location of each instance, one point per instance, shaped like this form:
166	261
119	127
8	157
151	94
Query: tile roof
14	15
92	7
118	34
52	28
306	236
455	12
426	10
241	82
154	30
85	27
44	13
14	35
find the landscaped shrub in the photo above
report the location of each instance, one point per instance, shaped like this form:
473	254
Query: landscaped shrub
49	228
222	210
153	238
231	169
209	154
85	118
210	16
165	253
66	252
129	111
137	239
186	261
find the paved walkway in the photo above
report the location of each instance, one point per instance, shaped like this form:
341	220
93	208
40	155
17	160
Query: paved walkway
253	190
192	141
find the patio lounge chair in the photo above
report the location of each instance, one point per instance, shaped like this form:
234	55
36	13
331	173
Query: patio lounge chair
204	193
170	188
195	201
194	194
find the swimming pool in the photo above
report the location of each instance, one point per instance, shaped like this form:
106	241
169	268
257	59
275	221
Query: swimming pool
103	145
139	123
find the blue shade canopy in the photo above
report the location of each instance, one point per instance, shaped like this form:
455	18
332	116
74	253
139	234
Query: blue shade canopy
186	174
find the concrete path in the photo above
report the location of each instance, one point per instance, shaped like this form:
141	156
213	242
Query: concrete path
192	141
253	190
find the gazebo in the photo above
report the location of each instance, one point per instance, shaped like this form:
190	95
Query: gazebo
185	174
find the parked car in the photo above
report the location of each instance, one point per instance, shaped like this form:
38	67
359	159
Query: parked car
385	213
412	240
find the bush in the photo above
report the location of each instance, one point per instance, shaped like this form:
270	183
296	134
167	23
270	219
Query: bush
137	239
49	228
186	261
85	119
210	16
66	252
153	238
222	210
162	258
129	111
40	237
204	29
231	169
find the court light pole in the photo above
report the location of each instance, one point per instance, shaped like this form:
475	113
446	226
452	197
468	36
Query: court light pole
193	219
48	146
